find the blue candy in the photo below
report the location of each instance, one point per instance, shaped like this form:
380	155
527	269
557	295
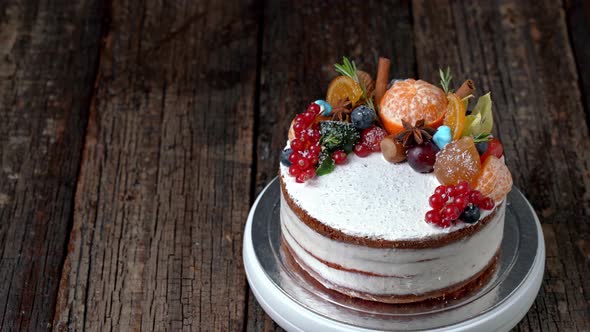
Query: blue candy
325	107
442	136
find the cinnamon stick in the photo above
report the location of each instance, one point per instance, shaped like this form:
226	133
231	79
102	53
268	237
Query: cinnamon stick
382	78
467	88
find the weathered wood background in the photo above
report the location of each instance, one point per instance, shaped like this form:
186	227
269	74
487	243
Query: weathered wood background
135	135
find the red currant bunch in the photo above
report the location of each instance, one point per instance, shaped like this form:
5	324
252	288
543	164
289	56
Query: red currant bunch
306	147
450	203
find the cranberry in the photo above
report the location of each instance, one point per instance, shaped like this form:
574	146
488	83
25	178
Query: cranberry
372	137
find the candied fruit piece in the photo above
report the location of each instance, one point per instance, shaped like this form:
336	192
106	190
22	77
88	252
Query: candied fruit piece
495	180
458	161
455	116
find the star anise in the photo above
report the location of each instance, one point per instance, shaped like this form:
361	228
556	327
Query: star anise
342	110
416	134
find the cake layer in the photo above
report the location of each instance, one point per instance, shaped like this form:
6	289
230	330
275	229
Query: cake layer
392	271
388	200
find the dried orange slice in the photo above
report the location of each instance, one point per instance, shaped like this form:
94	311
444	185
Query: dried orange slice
343	87
411	101
455	116
495	180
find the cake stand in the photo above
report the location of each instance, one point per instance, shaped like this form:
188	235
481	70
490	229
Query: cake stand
297	303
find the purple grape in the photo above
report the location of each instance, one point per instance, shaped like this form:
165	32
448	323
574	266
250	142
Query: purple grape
422	157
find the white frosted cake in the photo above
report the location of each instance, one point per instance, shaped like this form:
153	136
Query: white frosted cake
361	221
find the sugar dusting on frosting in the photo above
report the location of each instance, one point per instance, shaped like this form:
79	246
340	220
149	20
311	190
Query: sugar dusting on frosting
370	197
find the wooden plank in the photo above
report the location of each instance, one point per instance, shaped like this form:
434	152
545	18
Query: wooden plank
48	52
520	51
301	42
578	22
164	186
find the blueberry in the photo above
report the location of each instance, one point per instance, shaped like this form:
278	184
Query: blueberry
362	117
481	147
471	214
285	157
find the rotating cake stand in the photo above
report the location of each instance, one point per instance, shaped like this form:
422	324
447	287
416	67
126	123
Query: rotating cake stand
297	303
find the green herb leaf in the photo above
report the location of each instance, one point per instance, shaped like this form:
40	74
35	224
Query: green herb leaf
445	79
348	68
482	138
325	164
481	120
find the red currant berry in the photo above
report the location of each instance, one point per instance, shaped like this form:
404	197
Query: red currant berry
433	217
297	145
313	160
440	190
451	191
486	204
462	188
436	201
294	170
461	202
313	108
362	150
308	118
339	157
309	173
298	127
314	135
294	157
451	212
445	223
301	178
315	149
475	197
303	163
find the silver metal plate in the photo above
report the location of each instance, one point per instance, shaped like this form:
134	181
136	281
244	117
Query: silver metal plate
518	250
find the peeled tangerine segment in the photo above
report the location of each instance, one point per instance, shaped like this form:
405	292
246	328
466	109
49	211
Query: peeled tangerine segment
495	180
457	161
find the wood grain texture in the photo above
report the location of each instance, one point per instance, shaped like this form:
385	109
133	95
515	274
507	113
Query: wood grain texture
520	51
44	47
301	42
164	185
578	21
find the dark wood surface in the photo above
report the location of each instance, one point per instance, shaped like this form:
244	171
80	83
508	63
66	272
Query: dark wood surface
135	135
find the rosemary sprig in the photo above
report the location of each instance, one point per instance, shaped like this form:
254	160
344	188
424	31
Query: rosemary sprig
348	68
445	79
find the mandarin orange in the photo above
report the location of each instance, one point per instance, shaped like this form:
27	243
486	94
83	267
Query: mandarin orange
412	100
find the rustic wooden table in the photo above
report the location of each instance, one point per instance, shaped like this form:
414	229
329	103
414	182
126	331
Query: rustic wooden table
135	135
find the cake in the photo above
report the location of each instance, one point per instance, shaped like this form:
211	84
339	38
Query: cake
396	203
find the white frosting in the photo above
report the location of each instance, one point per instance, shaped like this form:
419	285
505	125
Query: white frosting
399	271
370	197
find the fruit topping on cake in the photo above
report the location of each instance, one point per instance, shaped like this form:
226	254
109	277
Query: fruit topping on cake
432	128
